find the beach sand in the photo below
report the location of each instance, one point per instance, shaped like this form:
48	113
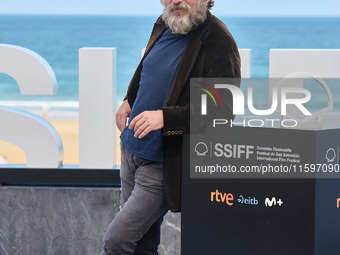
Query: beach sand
69	133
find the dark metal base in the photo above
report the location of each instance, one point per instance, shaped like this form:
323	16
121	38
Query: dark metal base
68	175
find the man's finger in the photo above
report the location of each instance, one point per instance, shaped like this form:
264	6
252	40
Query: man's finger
134	121
139	124
145	132
141	129
121	124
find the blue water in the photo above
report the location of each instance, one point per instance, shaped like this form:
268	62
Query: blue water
58	39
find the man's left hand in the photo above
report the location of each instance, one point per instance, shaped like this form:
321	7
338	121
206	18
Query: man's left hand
146	122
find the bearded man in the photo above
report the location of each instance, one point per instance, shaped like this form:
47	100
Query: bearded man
187	41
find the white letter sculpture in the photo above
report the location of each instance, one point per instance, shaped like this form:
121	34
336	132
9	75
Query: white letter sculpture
34	135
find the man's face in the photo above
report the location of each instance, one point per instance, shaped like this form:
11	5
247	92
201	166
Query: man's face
193	4
183	16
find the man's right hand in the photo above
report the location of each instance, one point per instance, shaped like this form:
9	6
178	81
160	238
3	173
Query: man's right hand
122	114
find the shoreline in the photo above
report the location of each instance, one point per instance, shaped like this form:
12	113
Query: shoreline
68	129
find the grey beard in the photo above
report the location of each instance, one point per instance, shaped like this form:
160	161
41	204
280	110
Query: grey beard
184	24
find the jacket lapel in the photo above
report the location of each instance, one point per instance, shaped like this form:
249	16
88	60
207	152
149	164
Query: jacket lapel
158	30
187	62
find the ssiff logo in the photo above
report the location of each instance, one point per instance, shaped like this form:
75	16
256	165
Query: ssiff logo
201	149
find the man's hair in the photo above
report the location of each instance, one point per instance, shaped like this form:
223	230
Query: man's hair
210	4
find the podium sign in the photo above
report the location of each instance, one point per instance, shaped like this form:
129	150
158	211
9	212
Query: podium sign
261	191
248	189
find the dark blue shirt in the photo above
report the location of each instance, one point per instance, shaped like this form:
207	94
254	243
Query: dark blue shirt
158	72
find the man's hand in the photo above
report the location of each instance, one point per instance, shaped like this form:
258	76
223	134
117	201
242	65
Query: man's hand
146	122
122	114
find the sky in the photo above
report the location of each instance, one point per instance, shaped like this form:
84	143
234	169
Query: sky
153	7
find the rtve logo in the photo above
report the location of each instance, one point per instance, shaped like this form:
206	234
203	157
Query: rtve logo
338	203
222	197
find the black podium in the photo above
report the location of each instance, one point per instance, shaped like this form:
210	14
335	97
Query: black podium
261	191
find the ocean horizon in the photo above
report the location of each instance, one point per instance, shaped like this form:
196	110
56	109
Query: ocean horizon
58	38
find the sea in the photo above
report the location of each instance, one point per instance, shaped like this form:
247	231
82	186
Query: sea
58	40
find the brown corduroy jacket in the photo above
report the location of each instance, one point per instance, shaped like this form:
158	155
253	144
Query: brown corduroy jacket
211	52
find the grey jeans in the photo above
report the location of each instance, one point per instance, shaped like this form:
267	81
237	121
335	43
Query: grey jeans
136	227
